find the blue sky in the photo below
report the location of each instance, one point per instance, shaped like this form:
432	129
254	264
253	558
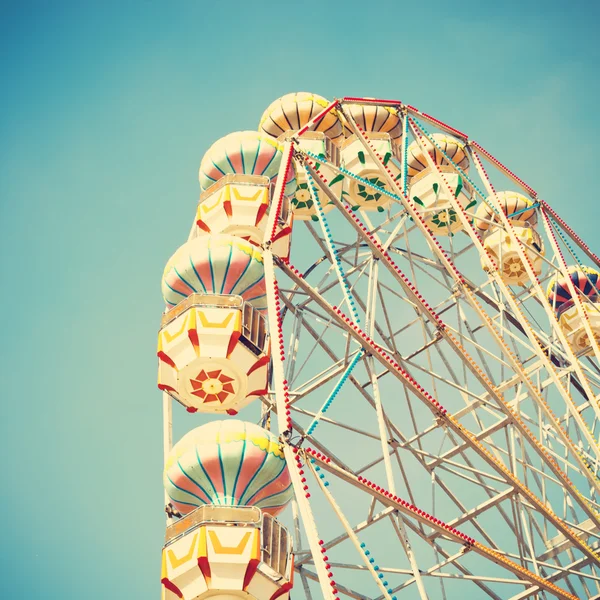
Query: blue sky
106	112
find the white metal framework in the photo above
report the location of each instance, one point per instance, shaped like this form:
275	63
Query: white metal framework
440	427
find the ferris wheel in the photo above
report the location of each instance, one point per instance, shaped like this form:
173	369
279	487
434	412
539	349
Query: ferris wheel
385	349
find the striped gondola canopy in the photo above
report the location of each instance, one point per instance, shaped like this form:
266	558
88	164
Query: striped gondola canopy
372	118
516	207
215	264
443	149
292	111
228	463
585	281
244	153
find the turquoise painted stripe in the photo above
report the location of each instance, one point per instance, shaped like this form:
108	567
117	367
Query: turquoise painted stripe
217	167
335	392
357	178
257	281
184	492
254	476
237	476
272	496
227	157
173	290
227	268
240	277
256	156
192	504
223	478
269	163
212	274
522	210
254	298
193	481
332	249
207	477
242	157
184	280
268	483
208	176
197	275
271	467
564	239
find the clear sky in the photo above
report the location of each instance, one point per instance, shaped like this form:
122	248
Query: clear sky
107	109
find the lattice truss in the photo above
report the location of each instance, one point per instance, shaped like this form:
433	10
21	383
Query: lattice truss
440	424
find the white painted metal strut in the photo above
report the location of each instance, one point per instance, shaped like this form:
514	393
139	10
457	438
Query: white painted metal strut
520	425
515	364
308	520
167	439
508	227
440	413
388	499
352	535
428	313
511	416
508	295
